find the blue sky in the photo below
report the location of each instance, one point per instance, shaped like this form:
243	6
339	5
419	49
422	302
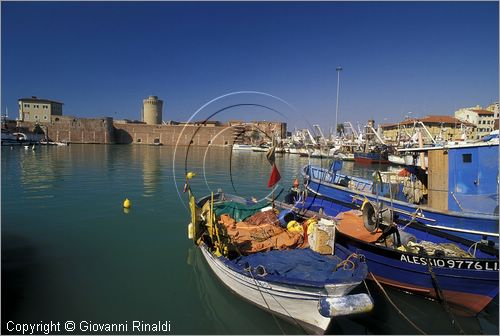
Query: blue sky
102	59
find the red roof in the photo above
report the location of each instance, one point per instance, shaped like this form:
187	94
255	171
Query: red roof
483	112
434	119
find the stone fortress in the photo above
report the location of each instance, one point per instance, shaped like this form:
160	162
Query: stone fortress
43	115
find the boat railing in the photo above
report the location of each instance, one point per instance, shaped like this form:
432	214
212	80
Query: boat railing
328	176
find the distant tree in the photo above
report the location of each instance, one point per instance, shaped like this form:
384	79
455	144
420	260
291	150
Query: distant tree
340	129
255	136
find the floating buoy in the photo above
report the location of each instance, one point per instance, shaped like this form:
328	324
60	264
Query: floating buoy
190	175
127	204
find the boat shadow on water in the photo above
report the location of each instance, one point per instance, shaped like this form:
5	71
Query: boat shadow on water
227	313
430	316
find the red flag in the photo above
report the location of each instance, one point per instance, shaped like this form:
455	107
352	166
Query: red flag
274	178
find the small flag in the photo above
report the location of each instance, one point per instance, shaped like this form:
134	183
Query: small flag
271	155
274	178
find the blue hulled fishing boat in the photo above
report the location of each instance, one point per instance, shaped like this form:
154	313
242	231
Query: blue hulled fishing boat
462	274
456	193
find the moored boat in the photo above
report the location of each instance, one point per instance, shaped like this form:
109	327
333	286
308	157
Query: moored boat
295	283
371	157
458	192
242	147
458	272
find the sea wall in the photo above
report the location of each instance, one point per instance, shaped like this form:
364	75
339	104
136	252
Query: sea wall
107	131
75	130
183	135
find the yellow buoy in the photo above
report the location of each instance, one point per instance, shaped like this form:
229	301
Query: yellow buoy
190	175
127	204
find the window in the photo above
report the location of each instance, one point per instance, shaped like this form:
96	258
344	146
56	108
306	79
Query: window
209	142
26	105
57	119
139	140
45	117
467	158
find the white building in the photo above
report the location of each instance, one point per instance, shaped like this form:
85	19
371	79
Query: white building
482	118
41	110
493	108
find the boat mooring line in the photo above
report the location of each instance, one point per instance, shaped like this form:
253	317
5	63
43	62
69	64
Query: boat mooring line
443	301
265	301
396	307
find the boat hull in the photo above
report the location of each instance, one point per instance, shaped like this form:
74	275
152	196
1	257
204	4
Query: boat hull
468	291
280	300
466	284
333	198
370	158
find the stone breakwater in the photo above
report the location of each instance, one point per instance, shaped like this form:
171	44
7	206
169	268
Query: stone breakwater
108	131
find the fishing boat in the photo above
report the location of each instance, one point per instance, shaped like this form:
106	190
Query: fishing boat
261	148
270	267
457	193
413	257
242	147
375	155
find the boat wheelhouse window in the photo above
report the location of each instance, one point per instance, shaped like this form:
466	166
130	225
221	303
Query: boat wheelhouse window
467	158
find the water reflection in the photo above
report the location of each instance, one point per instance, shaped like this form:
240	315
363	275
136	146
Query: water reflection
219	304
151	169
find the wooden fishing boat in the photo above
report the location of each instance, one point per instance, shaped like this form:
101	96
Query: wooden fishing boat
458	193
413	257
296	283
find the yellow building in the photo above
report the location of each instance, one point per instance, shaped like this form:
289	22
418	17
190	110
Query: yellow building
34	109
447	127
483	119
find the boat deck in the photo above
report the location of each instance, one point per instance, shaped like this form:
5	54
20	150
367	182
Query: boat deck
351	224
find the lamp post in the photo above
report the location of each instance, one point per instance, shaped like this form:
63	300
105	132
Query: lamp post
339	68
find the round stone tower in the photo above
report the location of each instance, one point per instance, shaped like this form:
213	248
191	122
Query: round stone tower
152	110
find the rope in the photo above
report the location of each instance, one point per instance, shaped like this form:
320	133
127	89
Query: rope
249	269
443	300
286	311
395	307
475	249
346	262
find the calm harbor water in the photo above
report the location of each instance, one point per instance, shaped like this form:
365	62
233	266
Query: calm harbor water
70	253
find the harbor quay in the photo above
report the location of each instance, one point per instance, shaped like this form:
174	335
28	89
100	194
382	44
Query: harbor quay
44	118
108	131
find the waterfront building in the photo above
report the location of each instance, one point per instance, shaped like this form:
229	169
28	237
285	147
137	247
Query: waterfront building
38	110
447	127
483	119
152	110
493	108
